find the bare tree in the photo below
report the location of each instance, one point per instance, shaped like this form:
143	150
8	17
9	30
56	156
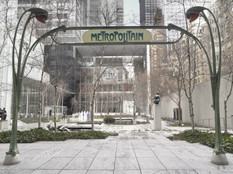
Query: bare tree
74	104
229	79
174	74
58	9
184	68
189	72
95	86
141	94
106	13
4	30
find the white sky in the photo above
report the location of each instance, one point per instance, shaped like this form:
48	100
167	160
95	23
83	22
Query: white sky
131	12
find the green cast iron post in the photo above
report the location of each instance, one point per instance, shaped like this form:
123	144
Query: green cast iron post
17	77
215	79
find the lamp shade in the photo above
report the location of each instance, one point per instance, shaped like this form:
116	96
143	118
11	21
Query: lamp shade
193	13
40	14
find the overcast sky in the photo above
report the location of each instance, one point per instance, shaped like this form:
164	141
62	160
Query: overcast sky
131	12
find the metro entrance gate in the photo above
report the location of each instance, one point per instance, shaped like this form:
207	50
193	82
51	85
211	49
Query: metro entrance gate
117	35
132	35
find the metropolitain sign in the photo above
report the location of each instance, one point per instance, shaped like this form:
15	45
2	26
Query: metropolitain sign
117	35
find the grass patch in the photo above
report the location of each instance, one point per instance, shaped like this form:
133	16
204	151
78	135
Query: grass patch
205	138
35	135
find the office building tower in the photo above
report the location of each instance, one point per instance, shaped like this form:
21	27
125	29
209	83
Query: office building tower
148	10
174	13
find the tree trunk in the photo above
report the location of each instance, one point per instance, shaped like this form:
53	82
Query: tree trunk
40	104
225	119
40	98
191	113
101	105
27	103
55	106
121	109
179	107
134	108
225	104
179	113
92	110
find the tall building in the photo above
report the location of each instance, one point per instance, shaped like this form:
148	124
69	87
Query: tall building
114	89
148	10
225	23
174	12
33	69
60	61
224	18
69	13
151	13
61	65
93	60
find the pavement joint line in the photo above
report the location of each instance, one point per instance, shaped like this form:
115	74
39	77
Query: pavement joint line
188	163
114	167
135	155
156	156
179	158
44	162
73	157
94	159
154	140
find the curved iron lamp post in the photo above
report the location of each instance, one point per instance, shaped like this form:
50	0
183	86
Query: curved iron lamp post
12	156
218	156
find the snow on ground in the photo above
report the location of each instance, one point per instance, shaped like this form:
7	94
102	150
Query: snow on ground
123	128
166	129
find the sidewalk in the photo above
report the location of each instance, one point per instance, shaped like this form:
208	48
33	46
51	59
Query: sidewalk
132	152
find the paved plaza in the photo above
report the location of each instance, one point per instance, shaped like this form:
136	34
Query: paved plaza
131	152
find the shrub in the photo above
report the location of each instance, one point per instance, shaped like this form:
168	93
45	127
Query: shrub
35	135
35	119
109	120
205	138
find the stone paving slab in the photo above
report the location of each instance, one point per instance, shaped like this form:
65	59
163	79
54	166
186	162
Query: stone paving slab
144	152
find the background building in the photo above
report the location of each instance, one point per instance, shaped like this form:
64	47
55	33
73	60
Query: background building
148	10
33	68
65	63
114	66
174	12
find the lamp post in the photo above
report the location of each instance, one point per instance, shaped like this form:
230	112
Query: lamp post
218	156
12	156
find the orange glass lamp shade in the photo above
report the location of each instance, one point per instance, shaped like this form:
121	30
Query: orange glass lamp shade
193	17
193	13
41	18
40	14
